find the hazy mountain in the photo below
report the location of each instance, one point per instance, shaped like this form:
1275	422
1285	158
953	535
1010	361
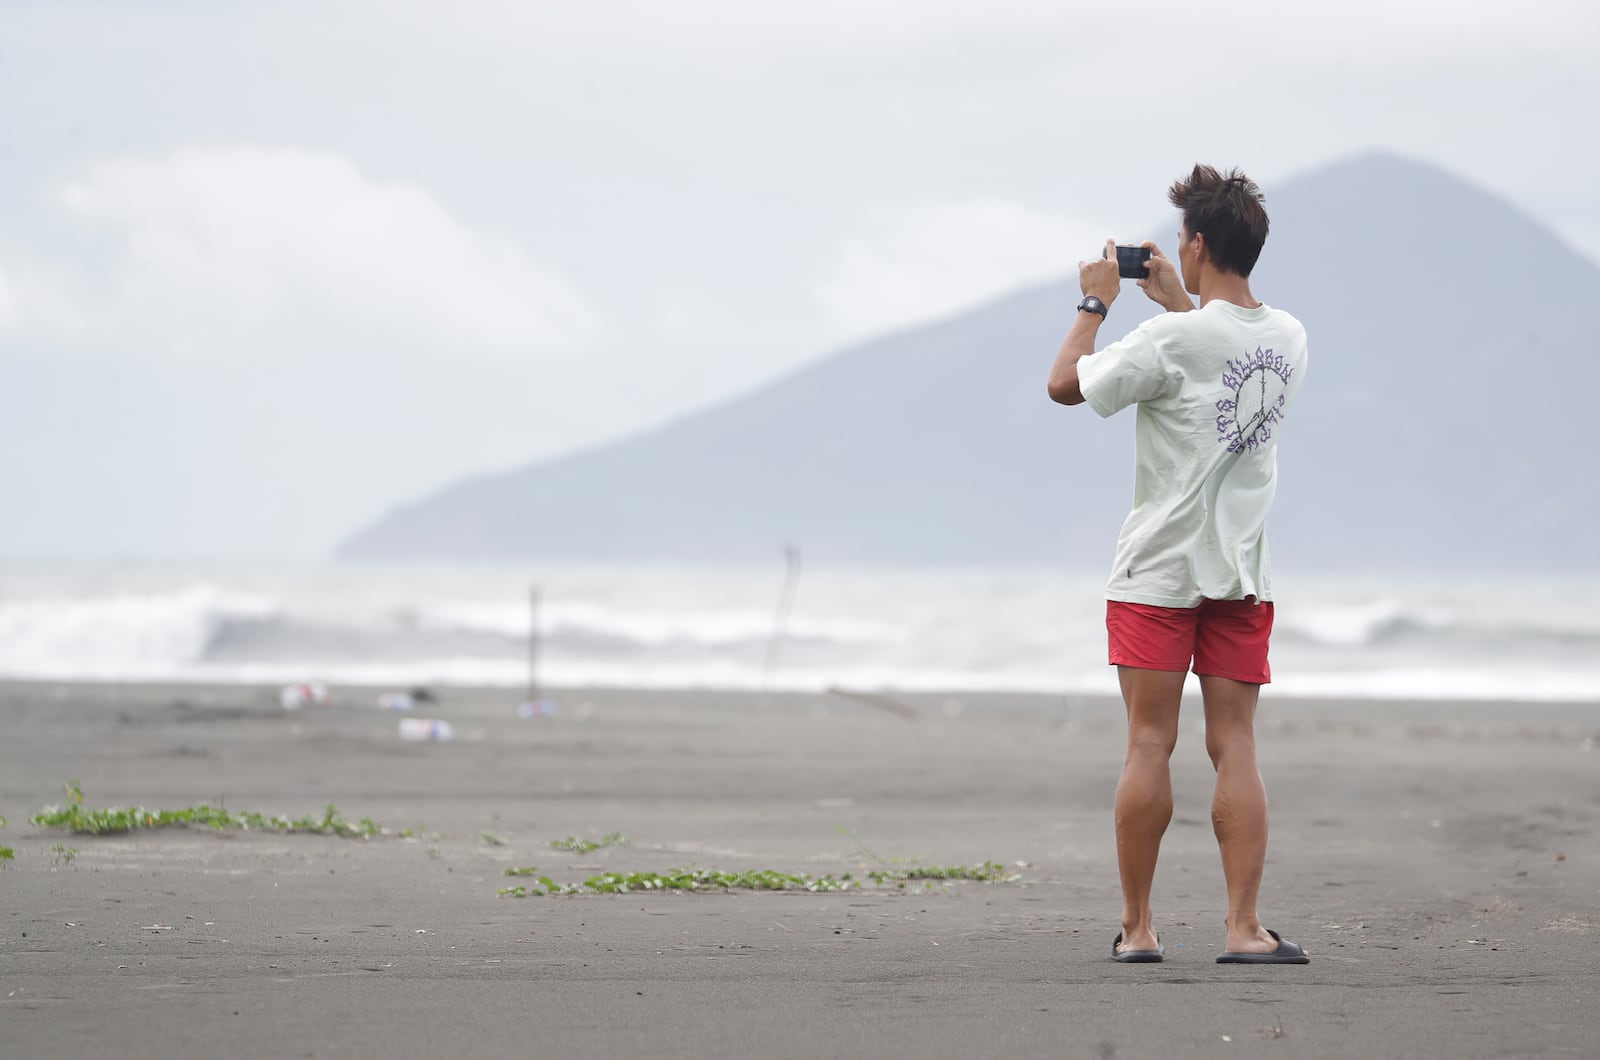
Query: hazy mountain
1442	424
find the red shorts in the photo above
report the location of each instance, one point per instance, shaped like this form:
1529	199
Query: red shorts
1223	638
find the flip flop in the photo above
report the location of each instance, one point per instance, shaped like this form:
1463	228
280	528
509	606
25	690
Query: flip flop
1286	953
1155	956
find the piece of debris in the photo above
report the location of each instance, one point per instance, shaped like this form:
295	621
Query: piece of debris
310	694
426	730
397	701
536	708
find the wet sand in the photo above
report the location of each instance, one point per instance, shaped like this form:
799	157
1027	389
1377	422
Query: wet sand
1440	862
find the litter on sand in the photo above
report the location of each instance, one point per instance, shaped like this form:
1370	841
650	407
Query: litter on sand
310	694
426	730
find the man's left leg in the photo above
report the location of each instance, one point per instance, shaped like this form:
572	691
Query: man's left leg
1144	794
1238	807
1231	659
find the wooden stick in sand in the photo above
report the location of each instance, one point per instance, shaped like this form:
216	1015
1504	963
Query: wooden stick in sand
882	702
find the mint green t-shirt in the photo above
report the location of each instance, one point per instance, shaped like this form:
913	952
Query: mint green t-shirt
1213	387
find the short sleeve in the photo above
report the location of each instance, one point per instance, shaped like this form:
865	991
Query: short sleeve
1125	373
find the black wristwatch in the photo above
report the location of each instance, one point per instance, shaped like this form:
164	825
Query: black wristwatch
1091	304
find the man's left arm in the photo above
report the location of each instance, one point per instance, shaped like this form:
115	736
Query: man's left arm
1100	282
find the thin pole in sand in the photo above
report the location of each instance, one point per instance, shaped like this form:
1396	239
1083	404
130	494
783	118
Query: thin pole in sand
791	583
533	646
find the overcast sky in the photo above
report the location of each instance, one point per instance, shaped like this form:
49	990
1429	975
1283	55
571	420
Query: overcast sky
268	268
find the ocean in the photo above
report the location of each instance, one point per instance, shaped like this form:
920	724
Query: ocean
913	630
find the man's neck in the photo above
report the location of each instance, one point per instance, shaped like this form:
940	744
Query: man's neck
1228	286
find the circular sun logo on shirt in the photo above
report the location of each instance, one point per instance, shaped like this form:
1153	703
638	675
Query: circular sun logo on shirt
1259	383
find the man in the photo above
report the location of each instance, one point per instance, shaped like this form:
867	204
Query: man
1191	584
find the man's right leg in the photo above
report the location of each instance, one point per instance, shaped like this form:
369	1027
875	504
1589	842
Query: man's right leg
1144	794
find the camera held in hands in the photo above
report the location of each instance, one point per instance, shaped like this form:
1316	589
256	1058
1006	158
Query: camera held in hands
1133	263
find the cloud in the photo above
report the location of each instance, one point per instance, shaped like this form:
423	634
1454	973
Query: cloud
734	29
912	263
29	300
742	32
245	248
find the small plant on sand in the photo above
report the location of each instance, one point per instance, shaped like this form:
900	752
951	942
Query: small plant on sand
62	854
79	819
682	880
988	872
542	885
860	846
584	846
872	855
525	870
492	839
7	854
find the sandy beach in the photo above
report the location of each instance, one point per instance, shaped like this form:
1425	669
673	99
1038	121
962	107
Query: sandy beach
1438	860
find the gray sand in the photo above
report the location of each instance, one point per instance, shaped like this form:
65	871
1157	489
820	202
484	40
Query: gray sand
1439	862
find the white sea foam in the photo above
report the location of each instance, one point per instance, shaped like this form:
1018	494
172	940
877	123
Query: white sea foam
149	635
707	627
1023	631
1349	625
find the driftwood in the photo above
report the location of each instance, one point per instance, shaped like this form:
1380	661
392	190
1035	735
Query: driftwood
882	702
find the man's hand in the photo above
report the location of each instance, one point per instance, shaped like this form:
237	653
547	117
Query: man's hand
1100	277
1164	285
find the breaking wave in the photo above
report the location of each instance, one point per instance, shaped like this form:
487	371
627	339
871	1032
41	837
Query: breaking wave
1019	632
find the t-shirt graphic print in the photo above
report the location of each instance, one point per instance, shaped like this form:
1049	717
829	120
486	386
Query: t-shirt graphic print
1246	419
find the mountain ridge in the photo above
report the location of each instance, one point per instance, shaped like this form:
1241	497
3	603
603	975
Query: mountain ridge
936	444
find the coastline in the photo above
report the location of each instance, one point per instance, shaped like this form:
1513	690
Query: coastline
1435	858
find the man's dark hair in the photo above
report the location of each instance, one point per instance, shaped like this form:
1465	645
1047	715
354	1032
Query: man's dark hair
1227	210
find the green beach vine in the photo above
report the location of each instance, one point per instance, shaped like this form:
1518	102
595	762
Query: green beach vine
692	879
79	819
